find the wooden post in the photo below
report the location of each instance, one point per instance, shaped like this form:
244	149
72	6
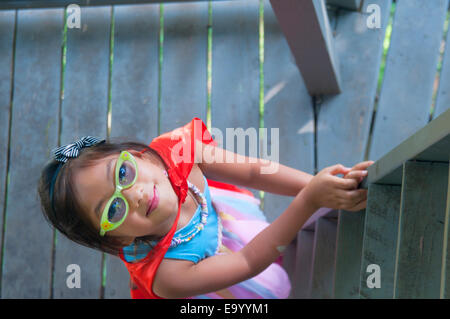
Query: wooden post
380	238
349	240
421	230
307	30
321	283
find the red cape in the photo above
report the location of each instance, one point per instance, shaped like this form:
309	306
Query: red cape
176	148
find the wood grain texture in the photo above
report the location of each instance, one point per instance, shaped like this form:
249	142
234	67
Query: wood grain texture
406	92
287	108
184	76
445	275
306	27
347	4
344	119
380	239
235	75
350	231
443	94
7	20
430	143
37	67
343	126
84	112
134	99
302	274
322	275
421	230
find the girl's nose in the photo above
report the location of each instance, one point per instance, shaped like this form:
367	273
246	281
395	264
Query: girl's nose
135	196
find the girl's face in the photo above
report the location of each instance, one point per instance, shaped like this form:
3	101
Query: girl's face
96	184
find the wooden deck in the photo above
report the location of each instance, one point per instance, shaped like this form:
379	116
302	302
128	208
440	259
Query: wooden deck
138	71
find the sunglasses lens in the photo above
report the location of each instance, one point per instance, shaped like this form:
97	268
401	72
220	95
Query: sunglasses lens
117	210
127	173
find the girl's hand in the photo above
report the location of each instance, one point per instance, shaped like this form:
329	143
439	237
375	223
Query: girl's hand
327	190
359	171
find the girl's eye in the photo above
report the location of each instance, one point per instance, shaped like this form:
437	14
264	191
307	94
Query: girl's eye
126	173
116	210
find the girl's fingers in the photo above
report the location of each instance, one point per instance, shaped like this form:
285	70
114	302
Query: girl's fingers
356	174
362	165
345	183
360	206
352	197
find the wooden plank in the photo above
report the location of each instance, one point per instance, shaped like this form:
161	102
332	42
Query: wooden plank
380	239
134	99
18	4
431	143
421	230
302	274
443	94
407	87
350	231
183	82
84	112
235	75
287	108
445	276
321	282
307	30
342	138
347	4
35	106
7	20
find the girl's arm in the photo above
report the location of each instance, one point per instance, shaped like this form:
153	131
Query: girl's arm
179	279
224	166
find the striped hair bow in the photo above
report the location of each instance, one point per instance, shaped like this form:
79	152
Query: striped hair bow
63	153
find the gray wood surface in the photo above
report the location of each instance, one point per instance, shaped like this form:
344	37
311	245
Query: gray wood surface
443	94
235	74
302	274
7	20
421	230
27	250
322	274
350	231
347	4
134	99
287	107
17	4
84	112
406	93
445	283
380	239
343	126
344	119
183	85
431	143
306	27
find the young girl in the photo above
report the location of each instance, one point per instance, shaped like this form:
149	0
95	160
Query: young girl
168	211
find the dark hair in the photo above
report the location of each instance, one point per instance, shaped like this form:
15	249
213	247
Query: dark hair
66	214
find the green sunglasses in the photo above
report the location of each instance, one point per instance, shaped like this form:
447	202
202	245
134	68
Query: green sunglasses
116	210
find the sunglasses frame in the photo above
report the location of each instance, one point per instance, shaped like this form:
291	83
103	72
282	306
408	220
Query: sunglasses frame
105	224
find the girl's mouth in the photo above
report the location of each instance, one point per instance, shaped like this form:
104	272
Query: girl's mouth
154	202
